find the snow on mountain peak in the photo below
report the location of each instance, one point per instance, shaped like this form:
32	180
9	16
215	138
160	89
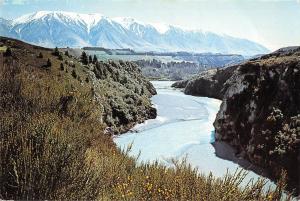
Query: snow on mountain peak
89	20
161	27
122	32
126	22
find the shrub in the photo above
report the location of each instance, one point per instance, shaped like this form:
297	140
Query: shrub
8	52
40	55
74	74
95	59
56	52
84	58
62	68
60	57
49	64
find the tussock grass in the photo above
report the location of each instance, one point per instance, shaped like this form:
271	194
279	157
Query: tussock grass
52	146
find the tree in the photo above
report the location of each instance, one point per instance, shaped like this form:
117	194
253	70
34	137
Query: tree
97	65
74	74
67	53
40	55
56	52
95	59
49	64
8	52
62	68
90	59
84	58
60	57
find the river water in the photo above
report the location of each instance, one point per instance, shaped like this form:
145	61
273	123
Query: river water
183	129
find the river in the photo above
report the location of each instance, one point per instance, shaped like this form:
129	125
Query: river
183	129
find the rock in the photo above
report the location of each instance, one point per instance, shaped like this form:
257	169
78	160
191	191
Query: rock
260	110
180	84
209	83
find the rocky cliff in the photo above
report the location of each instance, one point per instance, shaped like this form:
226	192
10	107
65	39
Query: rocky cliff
209	83
260	112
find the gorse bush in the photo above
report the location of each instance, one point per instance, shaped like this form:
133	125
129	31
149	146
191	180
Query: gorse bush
41	163
52	146
8	52
43	154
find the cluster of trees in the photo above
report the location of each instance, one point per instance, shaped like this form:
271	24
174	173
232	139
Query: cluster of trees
170	70
85	59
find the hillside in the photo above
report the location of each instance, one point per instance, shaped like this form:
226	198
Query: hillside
57	116
260	112
45	27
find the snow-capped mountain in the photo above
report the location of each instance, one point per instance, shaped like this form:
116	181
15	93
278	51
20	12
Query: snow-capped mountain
56	28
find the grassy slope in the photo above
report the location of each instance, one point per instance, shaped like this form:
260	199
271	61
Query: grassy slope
52	144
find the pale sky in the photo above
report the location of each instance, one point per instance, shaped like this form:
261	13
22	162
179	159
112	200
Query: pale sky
272	23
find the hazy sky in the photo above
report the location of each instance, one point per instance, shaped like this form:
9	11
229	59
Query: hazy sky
273	23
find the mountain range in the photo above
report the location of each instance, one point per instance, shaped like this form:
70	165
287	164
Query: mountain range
62	29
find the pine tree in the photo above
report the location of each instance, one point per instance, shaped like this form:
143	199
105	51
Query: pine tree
95	59
62	68
40	55
60	57
84	58
97	65
90	59
49	64
56	52
8	52
74	74
67	53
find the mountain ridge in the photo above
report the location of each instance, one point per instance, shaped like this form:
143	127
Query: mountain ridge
60	28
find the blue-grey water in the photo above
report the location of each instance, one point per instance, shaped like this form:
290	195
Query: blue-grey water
182	129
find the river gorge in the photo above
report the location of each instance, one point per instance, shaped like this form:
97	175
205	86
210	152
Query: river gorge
183	129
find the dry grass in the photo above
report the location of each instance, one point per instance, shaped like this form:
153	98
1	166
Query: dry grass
52	146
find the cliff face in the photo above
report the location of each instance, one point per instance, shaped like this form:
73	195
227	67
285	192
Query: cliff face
209	83
260	112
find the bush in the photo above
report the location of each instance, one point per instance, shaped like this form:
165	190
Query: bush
56	52
40	55
84	58
60	57
47	165
43	154
8	52
95	59
62	68
90	59
49	64
74	74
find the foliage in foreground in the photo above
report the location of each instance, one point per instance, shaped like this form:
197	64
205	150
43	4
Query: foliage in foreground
52	147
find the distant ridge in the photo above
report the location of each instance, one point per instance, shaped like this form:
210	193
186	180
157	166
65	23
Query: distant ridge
59	28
